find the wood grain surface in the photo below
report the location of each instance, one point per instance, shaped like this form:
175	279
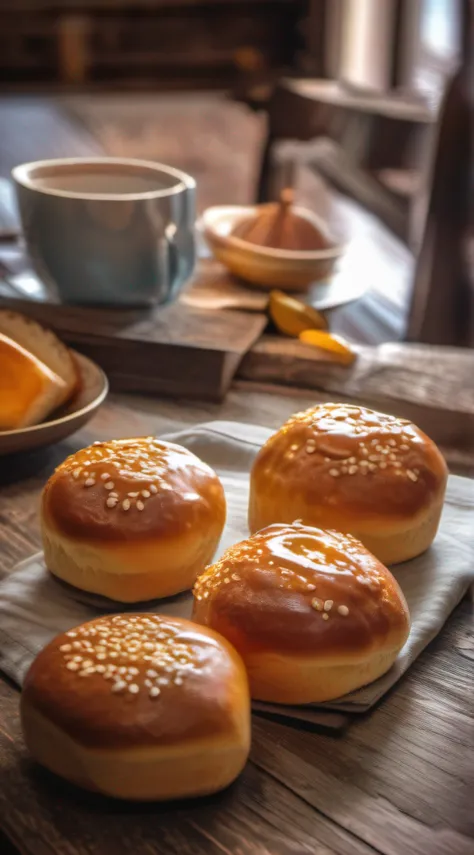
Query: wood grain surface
397	782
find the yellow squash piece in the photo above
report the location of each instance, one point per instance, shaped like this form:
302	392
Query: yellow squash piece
338	347
292	317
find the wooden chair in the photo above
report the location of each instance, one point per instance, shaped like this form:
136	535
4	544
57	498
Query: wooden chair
378	134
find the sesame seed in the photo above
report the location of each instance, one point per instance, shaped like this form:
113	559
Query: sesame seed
352	460
105	476
76	473
126	504
140	505
111	502
89	482
382	464
404	447
353	470
73	666
151	673
133	689
373	458
65	648
133	495
310	449
392	456
328	605
334	473
100	669
71	634
154	692
317	604
146	494
412	476
153	488
109	485
119	686
325	616
343	610
392	442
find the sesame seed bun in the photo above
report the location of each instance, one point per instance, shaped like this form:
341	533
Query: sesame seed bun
139	706
348	468
132	519
312	613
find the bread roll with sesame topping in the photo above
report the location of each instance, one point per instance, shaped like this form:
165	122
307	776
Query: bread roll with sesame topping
312	613
139	706
351	469
132	519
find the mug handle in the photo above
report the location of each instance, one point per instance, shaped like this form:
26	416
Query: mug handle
181	259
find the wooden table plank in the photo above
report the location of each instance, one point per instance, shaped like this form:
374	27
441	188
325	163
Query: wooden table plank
399	780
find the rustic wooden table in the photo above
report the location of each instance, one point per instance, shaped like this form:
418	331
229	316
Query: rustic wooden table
397	781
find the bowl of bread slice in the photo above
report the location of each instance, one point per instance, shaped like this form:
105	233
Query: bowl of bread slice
47	390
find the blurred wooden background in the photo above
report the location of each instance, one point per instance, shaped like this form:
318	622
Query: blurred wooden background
183	44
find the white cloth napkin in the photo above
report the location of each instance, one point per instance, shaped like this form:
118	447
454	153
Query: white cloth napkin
34	606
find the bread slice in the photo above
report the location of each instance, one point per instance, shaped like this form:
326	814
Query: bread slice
29	390
43	344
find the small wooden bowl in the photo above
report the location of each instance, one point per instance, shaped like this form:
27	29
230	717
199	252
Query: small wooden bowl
286	269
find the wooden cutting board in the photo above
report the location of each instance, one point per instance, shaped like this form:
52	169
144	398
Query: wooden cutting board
175	350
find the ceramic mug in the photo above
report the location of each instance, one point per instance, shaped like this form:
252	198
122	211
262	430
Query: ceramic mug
112	231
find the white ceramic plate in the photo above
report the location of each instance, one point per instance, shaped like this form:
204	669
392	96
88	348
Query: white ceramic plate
67	420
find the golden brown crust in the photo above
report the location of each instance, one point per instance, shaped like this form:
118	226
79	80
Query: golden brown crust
293	589
345	467
42	343
132	490
29	390
136	680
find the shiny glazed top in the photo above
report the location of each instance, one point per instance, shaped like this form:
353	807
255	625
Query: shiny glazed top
351	460
300	589
138	679
132	489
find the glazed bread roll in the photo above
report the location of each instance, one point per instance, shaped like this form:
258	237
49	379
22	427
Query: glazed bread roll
312	613
139	706
132	519
45	346
354	470
29	390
